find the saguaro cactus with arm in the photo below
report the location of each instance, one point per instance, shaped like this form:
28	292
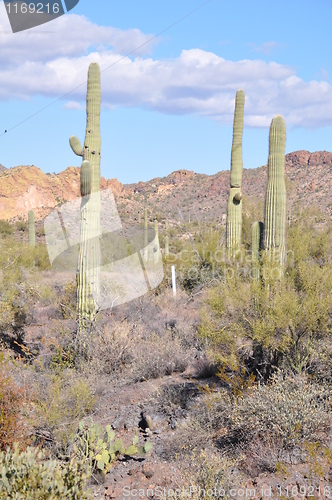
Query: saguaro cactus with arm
275	200
88	268
234	207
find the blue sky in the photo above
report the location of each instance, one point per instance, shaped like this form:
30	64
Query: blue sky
170	104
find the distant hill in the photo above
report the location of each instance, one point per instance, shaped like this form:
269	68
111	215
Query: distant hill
180	194
2	168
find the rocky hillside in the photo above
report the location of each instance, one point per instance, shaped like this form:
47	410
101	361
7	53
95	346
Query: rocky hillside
177	196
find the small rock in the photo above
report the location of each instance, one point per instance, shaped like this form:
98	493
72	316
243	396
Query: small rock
146	421
147	471
172	423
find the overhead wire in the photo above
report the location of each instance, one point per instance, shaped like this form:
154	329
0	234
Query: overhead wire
107	67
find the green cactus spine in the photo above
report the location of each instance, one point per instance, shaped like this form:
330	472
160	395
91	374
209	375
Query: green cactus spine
275	200
32	233
234	206
88	267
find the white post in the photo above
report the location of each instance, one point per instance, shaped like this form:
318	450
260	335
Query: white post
173	281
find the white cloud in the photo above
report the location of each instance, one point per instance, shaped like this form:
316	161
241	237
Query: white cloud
195	82
73	105
67	36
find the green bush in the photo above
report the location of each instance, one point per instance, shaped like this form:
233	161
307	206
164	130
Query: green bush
61	400
21	225
278	320
6	228
29	475
209	474
289	409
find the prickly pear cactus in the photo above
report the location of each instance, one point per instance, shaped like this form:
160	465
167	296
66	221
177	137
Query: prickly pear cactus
100	448
32	234
275	200
88	268
234	206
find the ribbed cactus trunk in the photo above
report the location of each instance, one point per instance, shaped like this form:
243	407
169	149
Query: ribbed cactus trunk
32	234
88	266
275	200
234	206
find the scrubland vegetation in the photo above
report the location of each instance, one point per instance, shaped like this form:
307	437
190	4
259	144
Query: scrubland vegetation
253	353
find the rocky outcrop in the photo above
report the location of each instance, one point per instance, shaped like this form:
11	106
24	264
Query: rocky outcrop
180	194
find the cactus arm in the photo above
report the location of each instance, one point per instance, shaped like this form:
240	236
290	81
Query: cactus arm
75	145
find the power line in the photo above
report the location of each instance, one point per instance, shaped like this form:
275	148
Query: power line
108	67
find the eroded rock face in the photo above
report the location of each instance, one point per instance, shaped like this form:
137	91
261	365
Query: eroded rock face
27	188
309	178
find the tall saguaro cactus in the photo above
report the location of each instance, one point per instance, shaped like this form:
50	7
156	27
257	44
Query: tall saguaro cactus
32	234
234	206
88	266
275	200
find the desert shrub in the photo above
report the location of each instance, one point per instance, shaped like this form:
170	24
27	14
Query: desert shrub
21	225
201	417
128	349
67	300
20	288
159	356
208	474
6	228
29	475
197	256
112	347
288	410
276	320
62	399
12	400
